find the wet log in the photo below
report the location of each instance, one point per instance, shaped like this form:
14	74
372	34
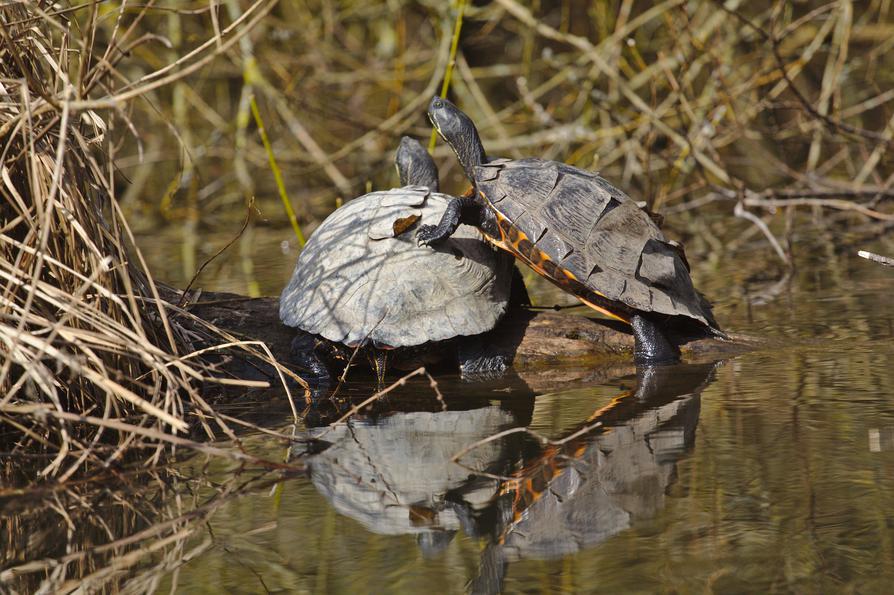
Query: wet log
531	338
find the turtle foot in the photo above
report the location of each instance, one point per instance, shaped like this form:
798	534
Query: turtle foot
428	234
651	345
378	361
479	363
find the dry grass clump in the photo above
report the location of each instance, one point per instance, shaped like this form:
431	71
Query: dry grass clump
92	361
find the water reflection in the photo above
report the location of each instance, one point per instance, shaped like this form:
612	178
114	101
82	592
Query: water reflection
392	470
527	496
778	480
394	475
597	481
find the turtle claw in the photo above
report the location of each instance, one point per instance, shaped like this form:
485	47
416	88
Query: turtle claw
427	234
432	234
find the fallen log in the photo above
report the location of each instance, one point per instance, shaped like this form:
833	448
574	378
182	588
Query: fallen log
531	338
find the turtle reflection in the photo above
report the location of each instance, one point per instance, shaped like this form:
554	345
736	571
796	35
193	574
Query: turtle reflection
394	474
581	491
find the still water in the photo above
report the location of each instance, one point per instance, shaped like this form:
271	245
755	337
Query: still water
772	471
769	472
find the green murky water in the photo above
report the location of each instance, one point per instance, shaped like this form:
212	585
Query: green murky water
769	472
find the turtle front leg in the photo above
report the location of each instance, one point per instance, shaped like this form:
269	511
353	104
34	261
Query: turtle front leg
651	344
459	210
304	355
478	359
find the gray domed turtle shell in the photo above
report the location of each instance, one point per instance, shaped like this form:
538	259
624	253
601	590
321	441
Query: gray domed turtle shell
595	232
362	275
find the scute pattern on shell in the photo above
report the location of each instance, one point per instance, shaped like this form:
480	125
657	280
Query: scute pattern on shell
356	281
596	232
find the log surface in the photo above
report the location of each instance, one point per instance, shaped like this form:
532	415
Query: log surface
532	338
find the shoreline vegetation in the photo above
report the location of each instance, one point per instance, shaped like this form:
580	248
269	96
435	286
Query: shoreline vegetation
99	365
94	362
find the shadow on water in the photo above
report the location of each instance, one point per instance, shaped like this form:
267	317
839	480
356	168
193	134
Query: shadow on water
432	474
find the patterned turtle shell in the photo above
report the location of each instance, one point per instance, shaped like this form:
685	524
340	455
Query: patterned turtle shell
589	238
362	278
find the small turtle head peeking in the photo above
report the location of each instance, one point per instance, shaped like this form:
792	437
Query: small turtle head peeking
415	167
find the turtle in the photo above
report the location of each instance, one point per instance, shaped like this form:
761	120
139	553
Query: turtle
363	282
581	233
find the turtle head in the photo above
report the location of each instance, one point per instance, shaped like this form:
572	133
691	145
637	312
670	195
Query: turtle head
414	165
459	131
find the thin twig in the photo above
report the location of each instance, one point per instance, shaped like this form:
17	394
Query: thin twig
883	260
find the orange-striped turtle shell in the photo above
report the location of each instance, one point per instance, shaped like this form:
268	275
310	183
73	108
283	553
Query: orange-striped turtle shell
589	238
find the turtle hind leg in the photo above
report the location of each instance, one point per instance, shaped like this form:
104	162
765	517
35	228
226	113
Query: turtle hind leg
378	359
651	344
303	354
479	361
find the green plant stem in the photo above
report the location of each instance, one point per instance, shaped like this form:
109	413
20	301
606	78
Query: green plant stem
277	174
448	74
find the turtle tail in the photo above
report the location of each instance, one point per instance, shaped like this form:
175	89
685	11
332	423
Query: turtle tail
708	312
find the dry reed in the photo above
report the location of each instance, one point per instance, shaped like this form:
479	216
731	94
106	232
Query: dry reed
93	362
